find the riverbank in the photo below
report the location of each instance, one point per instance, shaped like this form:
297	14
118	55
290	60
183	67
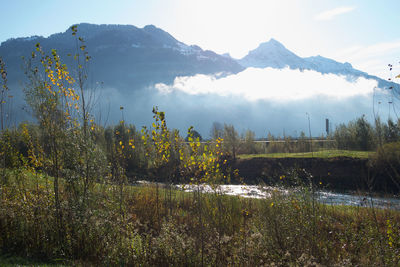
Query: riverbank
337	174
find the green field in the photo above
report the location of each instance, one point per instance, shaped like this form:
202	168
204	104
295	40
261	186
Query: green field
317	154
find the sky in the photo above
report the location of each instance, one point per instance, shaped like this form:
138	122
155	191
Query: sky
364	33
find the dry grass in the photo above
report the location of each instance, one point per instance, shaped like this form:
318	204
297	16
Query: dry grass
191	228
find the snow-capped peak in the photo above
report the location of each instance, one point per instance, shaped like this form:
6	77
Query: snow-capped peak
272	54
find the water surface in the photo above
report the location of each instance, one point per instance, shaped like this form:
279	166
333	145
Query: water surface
326	197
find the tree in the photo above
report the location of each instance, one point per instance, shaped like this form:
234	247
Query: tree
364	134
379	130
231	139
249	147
392	131
3	94
52	98
90	156
194	134
217	130
303	145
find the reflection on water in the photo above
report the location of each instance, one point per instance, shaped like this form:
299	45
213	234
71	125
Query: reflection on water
358	200
325	197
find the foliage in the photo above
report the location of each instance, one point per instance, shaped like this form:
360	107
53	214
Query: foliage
216	131
248	146
387	159
195	134
231	140
361	135
5	97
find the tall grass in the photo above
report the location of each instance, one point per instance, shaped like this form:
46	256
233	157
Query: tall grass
281	230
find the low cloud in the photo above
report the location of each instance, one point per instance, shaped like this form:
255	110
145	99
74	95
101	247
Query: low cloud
330	14
263	100
275	85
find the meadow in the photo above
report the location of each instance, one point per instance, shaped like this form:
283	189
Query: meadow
316	154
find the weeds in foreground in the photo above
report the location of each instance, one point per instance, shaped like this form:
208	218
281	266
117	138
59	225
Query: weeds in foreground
282	230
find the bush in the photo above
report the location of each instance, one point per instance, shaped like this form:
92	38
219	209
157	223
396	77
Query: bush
387	160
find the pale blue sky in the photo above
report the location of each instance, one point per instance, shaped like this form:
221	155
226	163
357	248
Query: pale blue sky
365	33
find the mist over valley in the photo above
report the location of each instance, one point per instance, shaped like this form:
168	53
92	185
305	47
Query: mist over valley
271	89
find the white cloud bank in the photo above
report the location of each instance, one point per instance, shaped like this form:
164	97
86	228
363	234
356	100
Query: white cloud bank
274	85
263	100
330	14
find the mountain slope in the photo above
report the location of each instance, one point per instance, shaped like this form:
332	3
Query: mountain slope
124	56
273	54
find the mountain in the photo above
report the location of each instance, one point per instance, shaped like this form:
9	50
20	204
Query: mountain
131	58
130	61
124	56
275	55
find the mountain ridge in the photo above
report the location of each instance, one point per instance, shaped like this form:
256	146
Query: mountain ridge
124	56
275	55
157	57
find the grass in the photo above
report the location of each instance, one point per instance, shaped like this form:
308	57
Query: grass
12	260
317	154
177	227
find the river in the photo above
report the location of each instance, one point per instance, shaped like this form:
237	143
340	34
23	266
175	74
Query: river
326	197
